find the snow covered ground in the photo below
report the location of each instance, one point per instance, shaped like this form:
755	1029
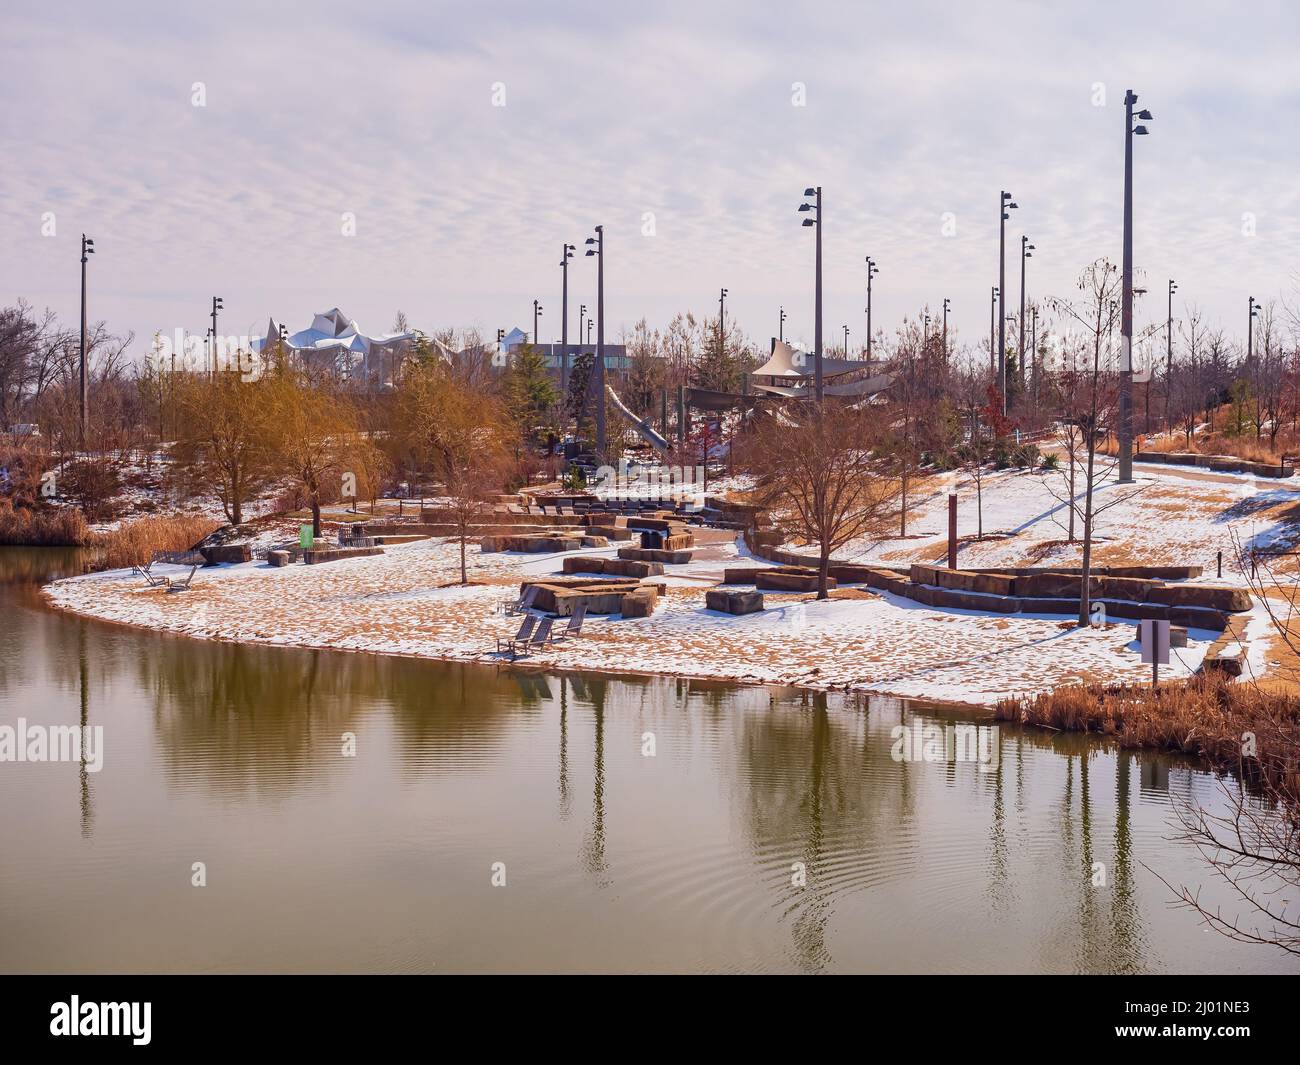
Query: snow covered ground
1164	518
408	602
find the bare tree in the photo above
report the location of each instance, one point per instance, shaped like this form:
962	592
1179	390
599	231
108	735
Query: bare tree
1094	397
822	474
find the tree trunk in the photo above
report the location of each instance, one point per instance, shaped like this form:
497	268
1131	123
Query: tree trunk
823	572
464	579
902	522
315	515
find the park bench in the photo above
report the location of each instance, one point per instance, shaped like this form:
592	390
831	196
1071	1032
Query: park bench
525	631
574	628
523	603
193	559
539	638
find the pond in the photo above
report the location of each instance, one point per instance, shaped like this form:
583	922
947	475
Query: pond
367	814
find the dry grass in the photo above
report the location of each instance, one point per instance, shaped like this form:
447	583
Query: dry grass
134	543
43	527
1207	716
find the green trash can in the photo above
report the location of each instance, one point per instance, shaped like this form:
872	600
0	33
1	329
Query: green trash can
305	537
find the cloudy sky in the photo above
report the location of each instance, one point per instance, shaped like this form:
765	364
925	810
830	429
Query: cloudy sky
689	112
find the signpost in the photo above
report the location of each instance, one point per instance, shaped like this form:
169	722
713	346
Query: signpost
1154	639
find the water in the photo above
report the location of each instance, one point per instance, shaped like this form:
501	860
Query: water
613	861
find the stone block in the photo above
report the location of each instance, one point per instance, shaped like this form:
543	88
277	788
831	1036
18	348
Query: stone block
226	553
729	602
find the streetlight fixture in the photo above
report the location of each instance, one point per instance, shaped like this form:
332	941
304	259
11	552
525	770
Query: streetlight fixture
1126	312
780	328
1005	204
947	306
565	256
537	313
872	271
596	247
1026	252
846	341
1250	331
1169	346
816	209
87	249
218	304
722	315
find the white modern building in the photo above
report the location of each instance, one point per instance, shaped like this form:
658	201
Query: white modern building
335	344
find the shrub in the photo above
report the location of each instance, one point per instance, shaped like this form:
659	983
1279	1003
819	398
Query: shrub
134	543
44	526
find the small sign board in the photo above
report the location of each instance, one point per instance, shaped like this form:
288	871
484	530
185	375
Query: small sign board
306	538
1154	639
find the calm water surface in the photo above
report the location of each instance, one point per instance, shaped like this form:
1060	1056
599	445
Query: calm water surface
614	861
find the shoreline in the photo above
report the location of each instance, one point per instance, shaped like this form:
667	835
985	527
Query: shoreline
406	603
523	665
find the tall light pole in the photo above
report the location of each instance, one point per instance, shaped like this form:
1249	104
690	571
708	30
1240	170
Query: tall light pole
1126	312
582	322
925	332
722	316
218	304
1169	347
780	326
1033	346
993	310
596	247
947	306
1250	331
590	323
537	313
1005	203
872	271
1026	252
564	319
87	249
816	221
846	341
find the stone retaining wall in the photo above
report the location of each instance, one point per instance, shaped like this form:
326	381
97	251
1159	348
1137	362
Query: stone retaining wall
1217	463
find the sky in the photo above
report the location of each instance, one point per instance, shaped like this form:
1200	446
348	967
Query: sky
434	157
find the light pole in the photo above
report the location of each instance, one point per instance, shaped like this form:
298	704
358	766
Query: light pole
1033	346
1250	331
1026	252
218	304
564	319
947	306
925	333
816	221
1005	203
872	271
1126	313
780	327
537	313
590	323
1169	348
993	310
87	249
596	247
846	341
722	316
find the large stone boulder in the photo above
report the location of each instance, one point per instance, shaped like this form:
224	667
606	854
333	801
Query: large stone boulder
729	602
226	553
640	603
1209	596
